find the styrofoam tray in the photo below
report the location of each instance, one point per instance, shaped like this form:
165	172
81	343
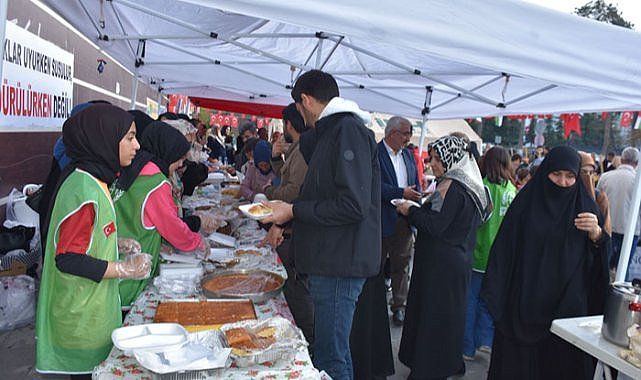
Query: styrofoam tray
398	201
180	258
226	240
152	337
245	210
180	269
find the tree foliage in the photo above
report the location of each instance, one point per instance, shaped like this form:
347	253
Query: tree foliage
600	11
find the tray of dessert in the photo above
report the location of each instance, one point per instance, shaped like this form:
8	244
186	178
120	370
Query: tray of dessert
254	284
211	313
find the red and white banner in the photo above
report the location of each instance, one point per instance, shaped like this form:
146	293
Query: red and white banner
37	89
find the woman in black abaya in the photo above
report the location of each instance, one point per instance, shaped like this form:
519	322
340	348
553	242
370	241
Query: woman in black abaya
432	341
549	261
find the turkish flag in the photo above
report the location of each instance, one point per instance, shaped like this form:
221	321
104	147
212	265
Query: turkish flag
260	123
109	229
626	119
571	123
234	122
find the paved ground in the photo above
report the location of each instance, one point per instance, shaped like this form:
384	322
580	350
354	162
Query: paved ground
475	370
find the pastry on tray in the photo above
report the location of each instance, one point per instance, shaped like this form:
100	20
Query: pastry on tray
204	312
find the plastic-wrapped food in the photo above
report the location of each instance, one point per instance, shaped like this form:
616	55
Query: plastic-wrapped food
179	285
17	302
268	340
128	246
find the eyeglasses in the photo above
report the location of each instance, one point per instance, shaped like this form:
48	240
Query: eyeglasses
406	134
587	171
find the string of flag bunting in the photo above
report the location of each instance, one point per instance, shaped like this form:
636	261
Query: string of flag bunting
571	121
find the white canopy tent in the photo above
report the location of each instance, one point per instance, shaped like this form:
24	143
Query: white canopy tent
449	59
436	59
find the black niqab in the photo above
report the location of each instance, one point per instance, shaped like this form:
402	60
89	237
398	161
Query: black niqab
161	144
539	257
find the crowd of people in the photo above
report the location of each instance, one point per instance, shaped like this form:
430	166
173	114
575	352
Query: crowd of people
500	246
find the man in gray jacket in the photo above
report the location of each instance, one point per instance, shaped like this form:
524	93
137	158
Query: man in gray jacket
337	216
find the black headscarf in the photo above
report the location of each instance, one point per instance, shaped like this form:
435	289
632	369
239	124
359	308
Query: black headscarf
142	120
161	144
92	142
540	264
92	139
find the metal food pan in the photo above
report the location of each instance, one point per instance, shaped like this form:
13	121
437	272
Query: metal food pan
255	297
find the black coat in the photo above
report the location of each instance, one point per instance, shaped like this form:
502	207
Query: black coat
337	217
432	340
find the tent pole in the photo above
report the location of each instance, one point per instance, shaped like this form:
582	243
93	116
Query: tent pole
4	5
622	266
319	54
159	99
425	112
134	90
421	140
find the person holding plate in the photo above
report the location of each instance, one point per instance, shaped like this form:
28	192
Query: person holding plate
399	180
446	223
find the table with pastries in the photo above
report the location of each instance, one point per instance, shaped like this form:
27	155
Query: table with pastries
298	364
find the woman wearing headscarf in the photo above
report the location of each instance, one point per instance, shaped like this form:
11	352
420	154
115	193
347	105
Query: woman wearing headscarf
588	172
194	172
259	172
497	176
145	206
548	261
142	120
78	303
432	341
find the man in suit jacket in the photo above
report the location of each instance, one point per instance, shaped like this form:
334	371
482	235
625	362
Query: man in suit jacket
399	179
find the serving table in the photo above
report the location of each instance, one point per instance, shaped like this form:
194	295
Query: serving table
585	333
118	365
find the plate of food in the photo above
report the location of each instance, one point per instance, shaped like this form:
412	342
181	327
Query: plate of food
255	210
398	201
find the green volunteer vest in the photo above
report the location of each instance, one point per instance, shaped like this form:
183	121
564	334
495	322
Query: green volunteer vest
129	213
502	196
75	315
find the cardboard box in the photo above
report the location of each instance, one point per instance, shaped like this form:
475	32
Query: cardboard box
17	268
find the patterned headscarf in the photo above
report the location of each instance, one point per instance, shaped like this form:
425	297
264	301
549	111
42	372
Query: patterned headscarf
450	149
459	165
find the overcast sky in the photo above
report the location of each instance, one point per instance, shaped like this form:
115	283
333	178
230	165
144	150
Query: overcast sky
630	9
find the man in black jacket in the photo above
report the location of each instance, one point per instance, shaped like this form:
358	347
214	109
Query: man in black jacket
337	216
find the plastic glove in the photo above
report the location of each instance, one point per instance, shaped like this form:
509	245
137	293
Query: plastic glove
208	223
128	246
136	266
204	249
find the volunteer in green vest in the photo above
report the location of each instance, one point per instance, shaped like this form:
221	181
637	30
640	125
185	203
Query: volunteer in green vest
497	177
145	208
78	303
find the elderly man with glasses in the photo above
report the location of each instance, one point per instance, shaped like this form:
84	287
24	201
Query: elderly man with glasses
399	179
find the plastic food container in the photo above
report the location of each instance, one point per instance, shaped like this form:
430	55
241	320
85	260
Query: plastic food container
152	337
